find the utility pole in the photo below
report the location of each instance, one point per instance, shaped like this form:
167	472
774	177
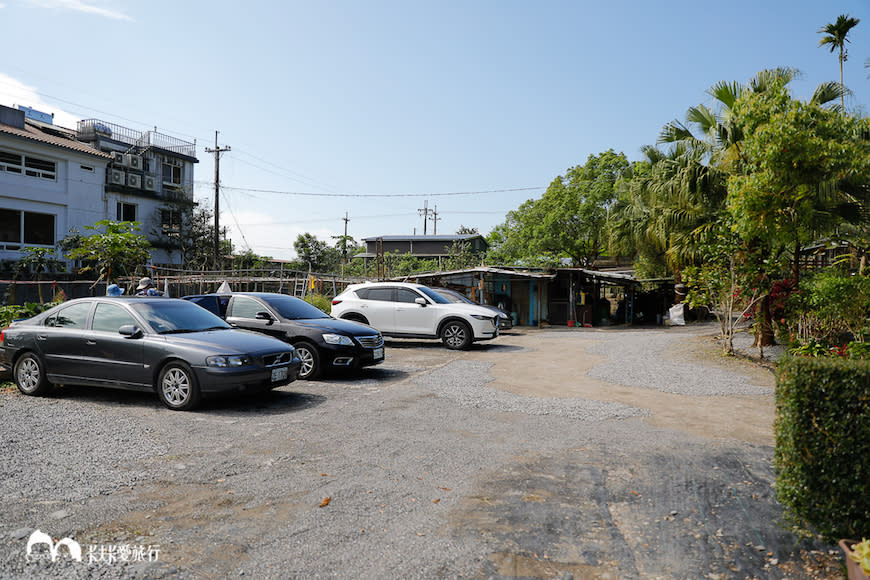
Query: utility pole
217	190
425	213
435	219
344	244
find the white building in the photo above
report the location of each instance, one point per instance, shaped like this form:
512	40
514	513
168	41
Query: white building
55	180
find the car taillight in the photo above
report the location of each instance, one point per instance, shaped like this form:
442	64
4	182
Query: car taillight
334	301
2	336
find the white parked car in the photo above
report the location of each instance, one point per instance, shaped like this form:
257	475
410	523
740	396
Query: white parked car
405	310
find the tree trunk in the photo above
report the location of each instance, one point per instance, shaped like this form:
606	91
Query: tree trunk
679	287
764	329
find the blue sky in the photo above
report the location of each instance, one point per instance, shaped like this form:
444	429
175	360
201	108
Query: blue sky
380	106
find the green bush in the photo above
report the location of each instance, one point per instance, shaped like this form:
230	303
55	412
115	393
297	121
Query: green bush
320	301
822	456
13	312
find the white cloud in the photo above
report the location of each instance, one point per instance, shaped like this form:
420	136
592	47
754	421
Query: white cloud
80	6
13	92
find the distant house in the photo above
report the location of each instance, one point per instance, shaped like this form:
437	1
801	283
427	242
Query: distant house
428	247
54	179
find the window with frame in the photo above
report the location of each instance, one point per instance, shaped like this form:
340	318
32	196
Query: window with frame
73	316
110	317
11	162
244	307
126	212
30	227
170	222
27	165
35	167
172	171
406	295
384	294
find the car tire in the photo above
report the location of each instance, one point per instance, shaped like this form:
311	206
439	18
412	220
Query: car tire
356	318
456	335
310	368
177	388
29	375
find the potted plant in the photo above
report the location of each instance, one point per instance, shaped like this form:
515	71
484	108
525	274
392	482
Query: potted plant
857	558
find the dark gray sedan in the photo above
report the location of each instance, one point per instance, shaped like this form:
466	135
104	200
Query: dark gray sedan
166	345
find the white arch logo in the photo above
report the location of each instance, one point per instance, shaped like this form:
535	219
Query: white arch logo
38	537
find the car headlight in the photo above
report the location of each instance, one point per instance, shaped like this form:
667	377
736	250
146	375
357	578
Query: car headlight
337	339
237	360
481	317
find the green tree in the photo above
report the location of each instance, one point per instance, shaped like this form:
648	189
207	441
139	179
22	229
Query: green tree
39	260
569	220
317	254
115	249
836	37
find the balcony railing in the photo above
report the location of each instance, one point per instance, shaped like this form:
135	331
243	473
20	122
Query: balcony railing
90	129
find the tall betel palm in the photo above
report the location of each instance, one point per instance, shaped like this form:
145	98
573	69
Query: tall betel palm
836	37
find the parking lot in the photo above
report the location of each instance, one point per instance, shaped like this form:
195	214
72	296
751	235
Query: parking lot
584	453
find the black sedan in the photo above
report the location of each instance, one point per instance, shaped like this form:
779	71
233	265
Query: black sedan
321	341
146	344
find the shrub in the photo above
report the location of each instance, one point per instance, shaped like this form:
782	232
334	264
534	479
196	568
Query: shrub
320	301
822	455
831	306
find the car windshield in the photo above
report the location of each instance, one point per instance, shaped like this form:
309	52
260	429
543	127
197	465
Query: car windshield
436	298
293	308
171	316
454	297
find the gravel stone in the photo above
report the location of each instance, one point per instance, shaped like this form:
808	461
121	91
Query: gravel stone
464	382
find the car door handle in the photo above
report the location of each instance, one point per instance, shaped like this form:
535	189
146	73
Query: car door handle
90	342
40	337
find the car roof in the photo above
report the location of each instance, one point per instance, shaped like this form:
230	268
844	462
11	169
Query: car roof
385	283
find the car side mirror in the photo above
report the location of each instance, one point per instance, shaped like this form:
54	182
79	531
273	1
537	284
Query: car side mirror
263	315
131	331
421	301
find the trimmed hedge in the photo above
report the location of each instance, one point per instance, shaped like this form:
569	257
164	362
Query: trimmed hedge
822	456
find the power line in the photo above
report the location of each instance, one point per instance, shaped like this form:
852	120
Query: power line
364	195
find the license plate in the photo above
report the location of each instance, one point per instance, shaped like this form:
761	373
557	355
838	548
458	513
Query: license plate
279	374
378	353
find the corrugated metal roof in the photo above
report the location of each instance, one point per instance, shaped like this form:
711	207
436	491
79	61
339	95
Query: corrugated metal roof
426	238
33	132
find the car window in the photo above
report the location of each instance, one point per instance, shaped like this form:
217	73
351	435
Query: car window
406	295
111	317
384	294
214	304
73	316
244	307
436	298
175	316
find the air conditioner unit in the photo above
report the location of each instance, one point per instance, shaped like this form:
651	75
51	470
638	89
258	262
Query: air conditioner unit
118	158
117	176
133	161
134	180
150	183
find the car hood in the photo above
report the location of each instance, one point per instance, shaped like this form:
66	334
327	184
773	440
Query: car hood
337	326
470	309
230	341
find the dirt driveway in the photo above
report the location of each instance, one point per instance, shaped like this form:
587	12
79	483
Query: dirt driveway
551	453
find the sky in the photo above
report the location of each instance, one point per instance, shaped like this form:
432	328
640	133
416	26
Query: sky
374	109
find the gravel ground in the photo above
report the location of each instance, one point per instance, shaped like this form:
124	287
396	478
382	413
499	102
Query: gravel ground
421	467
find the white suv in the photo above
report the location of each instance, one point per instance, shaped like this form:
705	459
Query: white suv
405	310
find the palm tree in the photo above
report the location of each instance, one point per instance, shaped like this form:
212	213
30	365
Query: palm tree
836	37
